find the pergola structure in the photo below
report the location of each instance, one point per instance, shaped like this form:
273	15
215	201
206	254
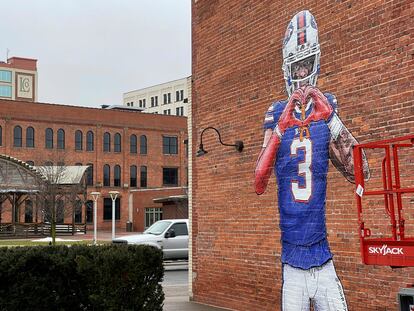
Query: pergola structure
44	185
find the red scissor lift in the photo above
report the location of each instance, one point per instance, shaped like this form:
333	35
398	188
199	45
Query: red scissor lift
398	249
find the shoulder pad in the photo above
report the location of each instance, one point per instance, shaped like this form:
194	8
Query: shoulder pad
332	100
273	114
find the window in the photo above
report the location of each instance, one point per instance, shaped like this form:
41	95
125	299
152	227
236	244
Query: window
117	142
60	139
30	137
154	101
143	144
5	76
17	136
142	103
107	215
1	136
133	176
78	140
179	95
89	175
169	145
179	111
5	91
107	142
170	176
60	212
167	111
167	98
152	215
143	181
106	175
180	228
78	211
133	144
89	141
89	211
117	176
28	211
30	162
131	104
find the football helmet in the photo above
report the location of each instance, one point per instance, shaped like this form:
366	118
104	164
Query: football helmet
301	46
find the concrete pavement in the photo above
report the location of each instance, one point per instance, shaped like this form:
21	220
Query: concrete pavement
176	299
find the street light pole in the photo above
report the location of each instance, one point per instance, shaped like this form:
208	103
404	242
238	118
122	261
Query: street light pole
95	196
114	195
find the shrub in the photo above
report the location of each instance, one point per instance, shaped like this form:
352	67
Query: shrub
113	277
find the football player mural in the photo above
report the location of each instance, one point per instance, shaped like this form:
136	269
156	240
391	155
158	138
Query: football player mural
301	134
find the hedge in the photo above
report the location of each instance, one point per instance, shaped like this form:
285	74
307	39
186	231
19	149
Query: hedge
112	277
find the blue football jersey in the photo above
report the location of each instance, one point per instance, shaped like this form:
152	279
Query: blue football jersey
301	169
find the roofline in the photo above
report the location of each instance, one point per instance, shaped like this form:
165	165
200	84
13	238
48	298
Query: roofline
155	85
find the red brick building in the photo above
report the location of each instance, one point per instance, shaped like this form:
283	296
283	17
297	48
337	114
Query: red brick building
143	156
367	61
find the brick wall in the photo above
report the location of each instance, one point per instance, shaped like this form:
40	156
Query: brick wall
41	116
366	61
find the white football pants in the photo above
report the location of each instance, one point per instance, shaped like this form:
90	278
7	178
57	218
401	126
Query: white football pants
319	285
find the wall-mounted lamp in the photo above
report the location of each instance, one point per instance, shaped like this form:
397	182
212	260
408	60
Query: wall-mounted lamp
238	143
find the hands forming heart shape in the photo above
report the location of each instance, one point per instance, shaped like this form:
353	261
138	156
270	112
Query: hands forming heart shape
321	109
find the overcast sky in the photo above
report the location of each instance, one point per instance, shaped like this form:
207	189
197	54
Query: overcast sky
90	52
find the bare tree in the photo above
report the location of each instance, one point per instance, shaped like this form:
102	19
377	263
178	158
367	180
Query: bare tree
63	192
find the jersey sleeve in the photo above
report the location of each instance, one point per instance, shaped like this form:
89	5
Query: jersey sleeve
332	101
272	115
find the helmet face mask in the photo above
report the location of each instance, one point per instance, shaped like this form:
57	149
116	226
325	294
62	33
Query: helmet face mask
303	72
301	48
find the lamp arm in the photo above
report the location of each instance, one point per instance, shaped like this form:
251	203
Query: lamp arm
219	136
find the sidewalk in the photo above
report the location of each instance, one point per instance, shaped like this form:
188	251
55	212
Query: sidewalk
176	299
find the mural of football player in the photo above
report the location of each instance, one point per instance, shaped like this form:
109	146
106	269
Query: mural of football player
301	134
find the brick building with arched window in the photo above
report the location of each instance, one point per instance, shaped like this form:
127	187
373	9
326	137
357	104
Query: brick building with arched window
142	156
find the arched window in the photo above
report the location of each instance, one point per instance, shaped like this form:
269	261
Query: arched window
30	140
133	144
61	139
107	142
89	141
106	175
143	176
78	140
117	142
89	175
117	176
133	176
17	136
49	138
143	144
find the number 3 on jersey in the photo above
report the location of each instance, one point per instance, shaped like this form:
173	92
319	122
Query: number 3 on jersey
302	193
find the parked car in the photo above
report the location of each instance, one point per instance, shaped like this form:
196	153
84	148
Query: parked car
169	235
